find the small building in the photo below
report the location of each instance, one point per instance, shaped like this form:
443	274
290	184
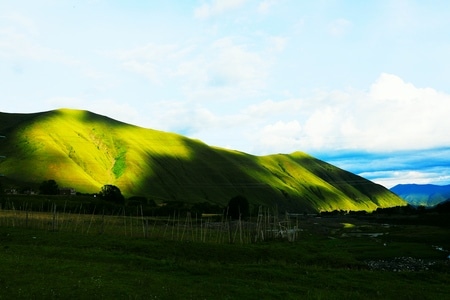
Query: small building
29	191
11	191
67	191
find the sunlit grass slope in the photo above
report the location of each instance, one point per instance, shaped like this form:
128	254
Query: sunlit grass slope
85	151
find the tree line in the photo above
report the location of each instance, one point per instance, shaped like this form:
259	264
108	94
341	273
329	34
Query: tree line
110	198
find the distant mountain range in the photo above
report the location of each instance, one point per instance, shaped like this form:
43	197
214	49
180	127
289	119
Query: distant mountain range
85	151
422	194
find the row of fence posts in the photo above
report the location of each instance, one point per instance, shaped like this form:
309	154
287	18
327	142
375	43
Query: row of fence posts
219	229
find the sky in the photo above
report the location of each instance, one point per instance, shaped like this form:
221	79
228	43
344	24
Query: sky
364	85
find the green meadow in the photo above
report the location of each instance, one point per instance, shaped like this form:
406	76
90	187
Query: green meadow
80	247
56	255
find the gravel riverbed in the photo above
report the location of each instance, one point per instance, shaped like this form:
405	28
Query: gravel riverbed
404	264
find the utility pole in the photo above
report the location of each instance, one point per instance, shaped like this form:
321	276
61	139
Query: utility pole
1	175
2	156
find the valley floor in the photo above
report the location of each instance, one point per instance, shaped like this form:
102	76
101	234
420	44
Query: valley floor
334	258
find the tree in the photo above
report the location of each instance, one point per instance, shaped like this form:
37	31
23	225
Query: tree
111	193
2	190
443	207
238	207
206	208
140	200
49	187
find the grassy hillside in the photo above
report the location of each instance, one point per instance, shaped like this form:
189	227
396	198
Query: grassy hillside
85	151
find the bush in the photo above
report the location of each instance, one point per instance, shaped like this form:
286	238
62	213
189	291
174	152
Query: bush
238	208
111	193
49	187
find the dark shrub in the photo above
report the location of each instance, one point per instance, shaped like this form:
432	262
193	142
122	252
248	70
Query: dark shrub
238	207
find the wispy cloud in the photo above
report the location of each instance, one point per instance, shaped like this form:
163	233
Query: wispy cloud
153	61
277	43
225	68
19	40
20	22
233	65
265	6
216	7
339	27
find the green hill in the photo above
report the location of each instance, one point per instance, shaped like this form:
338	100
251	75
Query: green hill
85	151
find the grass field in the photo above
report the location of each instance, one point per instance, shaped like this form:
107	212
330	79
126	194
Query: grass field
332	258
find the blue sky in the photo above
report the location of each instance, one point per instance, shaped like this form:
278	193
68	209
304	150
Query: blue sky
364	85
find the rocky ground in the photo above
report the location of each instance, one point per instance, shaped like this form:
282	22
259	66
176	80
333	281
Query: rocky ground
405	264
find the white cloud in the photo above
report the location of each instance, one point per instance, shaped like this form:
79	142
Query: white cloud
391	87
225	70
339	27
402	16
265	6
152	60
18	44
392	178
221	69
392	115
321	126
270	107
20	22
234	64
280	135
216	7
398	115
116	110
19	40
277	43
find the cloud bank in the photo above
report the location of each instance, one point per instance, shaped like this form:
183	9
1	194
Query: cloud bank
391	115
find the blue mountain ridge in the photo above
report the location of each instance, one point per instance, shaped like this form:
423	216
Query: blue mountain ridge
422	194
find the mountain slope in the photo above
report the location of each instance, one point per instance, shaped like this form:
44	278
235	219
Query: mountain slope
85	151
422	194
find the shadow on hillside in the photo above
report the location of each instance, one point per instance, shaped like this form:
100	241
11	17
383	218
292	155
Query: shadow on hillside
349	183
215	176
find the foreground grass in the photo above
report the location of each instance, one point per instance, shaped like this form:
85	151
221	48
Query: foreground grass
41	264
